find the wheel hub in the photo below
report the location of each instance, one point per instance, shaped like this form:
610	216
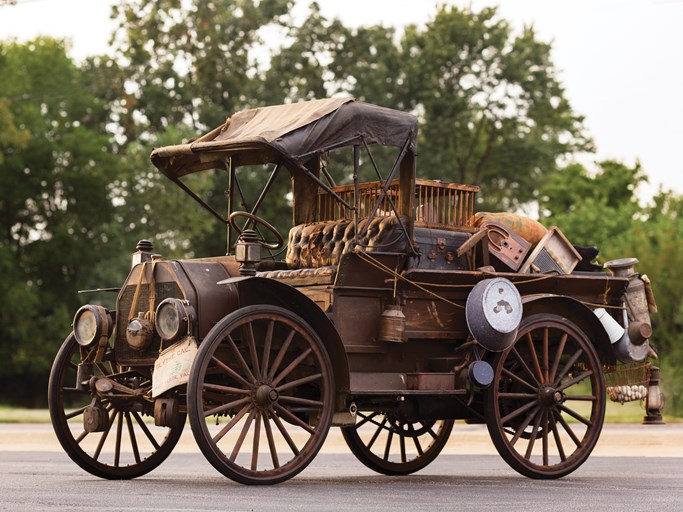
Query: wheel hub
265	395
549	396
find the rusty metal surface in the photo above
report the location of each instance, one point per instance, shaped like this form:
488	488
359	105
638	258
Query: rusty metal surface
195	281
431	381
165	287
213	301
439	249
507	248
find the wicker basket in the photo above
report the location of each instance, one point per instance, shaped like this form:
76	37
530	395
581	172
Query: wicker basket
628	382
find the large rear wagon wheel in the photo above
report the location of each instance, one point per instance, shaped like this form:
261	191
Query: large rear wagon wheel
261	395
546	407
129	444
394	447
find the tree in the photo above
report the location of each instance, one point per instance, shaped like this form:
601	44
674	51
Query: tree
492	110
322	57
298	70
152	207
12	138
183	68
595	209
188	62
54	205
654	239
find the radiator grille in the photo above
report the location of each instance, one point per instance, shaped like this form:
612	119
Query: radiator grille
124	353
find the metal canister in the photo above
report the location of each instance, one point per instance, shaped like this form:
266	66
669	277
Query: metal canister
392	325
139	332
635	296
633	346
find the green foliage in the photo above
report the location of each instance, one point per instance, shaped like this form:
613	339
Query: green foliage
592	209
54	210
296	71
154	208
188	62
12	138
184	67
655	241
492	110
602	209
322	57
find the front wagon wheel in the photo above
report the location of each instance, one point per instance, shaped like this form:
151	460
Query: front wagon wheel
128	444
261	395
546	407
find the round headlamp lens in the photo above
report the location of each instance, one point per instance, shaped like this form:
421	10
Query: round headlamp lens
174	319
86	328
168	320
90	323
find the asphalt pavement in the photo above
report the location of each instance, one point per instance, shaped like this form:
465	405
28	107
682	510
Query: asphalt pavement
624	440
634	468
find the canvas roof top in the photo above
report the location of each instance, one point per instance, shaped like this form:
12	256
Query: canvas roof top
294	132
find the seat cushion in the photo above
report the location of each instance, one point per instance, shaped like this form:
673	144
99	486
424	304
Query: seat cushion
321	275
322	244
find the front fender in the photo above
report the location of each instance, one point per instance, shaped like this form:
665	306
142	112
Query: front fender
259	290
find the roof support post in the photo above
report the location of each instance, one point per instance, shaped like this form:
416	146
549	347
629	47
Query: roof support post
407	174
231	197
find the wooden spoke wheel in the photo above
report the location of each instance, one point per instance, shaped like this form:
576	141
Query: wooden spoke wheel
394	447
261	395
126	443
546	406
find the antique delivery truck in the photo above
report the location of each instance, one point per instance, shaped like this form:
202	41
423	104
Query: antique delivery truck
389	310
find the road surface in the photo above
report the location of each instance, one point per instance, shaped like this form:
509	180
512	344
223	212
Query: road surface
633	469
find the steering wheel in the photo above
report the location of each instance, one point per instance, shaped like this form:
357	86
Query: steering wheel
273	246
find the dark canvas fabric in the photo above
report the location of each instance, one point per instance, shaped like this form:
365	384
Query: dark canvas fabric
294	132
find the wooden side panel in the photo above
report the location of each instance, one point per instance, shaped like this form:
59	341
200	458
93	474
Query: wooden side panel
357	319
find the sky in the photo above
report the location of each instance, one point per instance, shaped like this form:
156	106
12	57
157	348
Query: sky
621	61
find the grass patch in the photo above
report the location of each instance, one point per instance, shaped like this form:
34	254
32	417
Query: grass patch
628	413
17	415
631	412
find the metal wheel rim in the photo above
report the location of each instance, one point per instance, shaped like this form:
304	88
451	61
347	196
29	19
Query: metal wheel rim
267	432
130	447
546	408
